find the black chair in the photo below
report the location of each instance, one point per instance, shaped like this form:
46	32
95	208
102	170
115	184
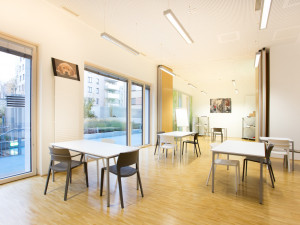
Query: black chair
215	132
266	161
123	169
194	142
157	142
65	164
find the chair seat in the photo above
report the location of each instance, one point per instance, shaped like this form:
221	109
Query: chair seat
227	162
255	159
279	152
188	141
125	171
168	146
62	166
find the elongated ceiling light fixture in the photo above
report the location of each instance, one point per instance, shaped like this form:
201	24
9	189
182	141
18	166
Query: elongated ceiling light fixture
257	57
236	91
193	86
203	92
176	24
167	70
119	43
265	14
233	83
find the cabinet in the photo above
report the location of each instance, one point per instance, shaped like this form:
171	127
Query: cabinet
202	125
248	128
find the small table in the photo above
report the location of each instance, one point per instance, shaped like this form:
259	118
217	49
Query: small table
178	135
266	139
224	130
100	149
241	148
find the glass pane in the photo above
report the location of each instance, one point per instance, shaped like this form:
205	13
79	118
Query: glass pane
105	108
147	115
15	114
136	115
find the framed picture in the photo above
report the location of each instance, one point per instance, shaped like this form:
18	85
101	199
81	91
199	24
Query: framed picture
220	105
65	69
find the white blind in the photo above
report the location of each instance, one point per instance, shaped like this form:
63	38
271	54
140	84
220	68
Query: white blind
15	48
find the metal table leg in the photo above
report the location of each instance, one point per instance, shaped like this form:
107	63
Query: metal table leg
293	151
107	180
213	173
261	183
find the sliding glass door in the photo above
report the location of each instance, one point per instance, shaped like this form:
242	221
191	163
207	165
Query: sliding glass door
136	114
16	152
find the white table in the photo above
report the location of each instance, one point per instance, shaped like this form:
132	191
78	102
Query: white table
100	149
241	148
266	139
178	135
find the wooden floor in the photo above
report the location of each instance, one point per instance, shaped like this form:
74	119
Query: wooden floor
175	193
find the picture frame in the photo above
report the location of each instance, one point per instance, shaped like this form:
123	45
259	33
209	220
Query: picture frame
220	105
65	69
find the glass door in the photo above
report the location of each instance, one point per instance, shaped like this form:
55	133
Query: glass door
16	153
136	114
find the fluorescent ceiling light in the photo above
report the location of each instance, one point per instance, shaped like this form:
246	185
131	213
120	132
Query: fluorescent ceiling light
236	91
175	22
233	83
119	43
70	11
257	56
192	85
203	92
265	14
167	70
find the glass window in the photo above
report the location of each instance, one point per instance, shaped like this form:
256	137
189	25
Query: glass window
97	90
89	79
90	89
147	115
97	81
108	117
136	115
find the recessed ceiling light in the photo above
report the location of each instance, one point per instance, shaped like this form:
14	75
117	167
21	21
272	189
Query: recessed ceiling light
167	70
265	14
70	11
257	57
193	86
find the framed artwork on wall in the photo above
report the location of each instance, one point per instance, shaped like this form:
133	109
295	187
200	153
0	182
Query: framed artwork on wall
65	69
220	105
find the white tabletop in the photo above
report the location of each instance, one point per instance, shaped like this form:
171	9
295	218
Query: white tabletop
101	149
241	148
275	138
178	133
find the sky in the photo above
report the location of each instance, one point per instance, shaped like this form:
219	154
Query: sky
7	66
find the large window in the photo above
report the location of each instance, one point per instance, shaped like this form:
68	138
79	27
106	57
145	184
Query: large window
17	158
106	111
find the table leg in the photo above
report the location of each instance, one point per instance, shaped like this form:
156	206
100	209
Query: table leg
213	173
261	183
293	168
107	180
138	163
180	149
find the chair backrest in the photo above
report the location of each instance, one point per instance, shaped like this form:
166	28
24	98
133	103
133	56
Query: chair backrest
280	145
108	140
60	154
217	130
166	140
127	158
160	132
268	150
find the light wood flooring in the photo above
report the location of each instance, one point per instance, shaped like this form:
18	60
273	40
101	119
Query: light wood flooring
175	193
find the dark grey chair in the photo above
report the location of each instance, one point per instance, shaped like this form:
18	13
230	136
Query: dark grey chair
267	161
65	164
123	169
194	142
157	141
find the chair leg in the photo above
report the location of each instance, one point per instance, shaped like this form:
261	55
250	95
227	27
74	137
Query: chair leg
207	180
199	148
182	148
156	146
270	172
47	181
97	163
236	179
195	147
140	182
288	163
270	167
53	179
70	176
120	191
86	174
67	182
102	178
243	169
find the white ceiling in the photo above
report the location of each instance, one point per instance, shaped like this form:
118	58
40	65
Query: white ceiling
225	32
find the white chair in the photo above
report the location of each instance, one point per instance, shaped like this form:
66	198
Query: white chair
282	147
167	142
92	157
227	163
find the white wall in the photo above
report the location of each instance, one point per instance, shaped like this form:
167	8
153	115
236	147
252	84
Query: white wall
223	88
285	92
61	35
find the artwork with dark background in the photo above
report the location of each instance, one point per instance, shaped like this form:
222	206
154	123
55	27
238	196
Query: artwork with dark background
220	105
65	69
